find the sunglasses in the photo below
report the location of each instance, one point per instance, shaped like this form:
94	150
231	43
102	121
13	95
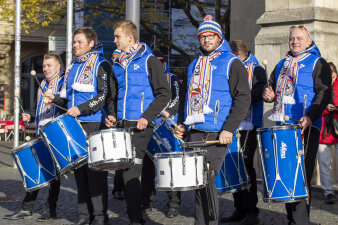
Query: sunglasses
298	26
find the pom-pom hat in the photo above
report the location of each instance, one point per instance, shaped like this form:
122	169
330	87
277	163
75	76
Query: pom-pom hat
208	25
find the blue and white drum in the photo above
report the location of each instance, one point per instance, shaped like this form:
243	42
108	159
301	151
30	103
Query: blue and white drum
66	141
35	164
282	158
233	175
163	139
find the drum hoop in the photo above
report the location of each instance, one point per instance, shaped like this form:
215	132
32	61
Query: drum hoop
27	144
53	120
283	127
178	154
108	130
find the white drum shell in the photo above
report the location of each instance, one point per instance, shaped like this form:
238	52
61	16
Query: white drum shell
171	174
110	149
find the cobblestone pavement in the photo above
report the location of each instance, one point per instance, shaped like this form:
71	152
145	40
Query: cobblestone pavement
12	193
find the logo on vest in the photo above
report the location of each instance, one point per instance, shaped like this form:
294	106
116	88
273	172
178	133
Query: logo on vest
301	66
214	67
136	67
283	149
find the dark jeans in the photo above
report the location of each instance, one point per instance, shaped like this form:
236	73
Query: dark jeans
54	190
298	212
215	157
131	176
92	186
245	201
148	186
118	181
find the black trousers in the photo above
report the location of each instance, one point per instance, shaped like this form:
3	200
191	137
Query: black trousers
92	186
54	190
245	201
215	157
299	212
118	181
131	176
148	186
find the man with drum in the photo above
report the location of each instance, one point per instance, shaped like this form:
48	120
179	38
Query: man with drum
143	92
148	169
44	113
245	201
217	98
85	90
300	87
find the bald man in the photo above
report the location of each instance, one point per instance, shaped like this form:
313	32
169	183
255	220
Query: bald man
302	73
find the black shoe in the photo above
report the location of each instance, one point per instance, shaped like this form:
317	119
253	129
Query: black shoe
83	222
22	214
119	195
99	222
329	199
146	208
47	216
250	219
235	217
173	212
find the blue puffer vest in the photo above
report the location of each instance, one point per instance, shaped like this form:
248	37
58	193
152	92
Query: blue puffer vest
135	93
221	100
305	85
257	107
76	97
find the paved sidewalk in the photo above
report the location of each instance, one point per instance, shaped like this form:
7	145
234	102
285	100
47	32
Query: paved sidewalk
12	193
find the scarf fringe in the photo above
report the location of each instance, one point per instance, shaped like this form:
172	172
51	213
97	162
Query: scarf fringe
207	109
245	126
289	100
83	87
276	117
197	118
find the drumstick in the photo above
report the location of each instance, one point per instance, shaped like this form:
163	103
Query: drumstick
33	73
265	63
286	118
198	143
175	125
60	107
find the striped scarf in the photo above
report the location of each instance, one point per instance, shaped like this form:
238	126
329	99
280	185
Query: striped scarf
45	111
286	86
125	57
199	92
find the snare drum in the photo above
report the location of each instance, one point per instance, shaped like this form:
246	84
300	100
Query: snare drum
163	140
35	164
180	171
66	141
282	158
233	175
110	149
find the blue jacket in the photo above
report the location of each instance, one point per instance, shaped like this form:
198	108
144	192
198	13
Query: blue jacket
81	93
220	100
135	93
305	85
257	107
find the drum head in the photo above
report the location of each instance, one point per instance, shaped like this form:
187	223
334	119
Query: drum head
53	120
110	130
179	154
280	127
27	144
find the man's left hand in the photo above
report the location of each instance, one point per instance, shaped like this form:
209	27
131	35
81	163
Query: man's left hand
74	111
142	124
165	114
225	137
305	122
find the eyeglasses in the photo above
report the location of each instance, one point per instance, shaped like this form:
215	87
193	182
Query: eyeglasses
209	37
298	26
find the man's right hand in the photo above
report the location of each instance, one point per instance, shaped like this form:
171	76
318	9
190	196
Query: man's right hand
26	117
179	131
49	96
269	94
110	120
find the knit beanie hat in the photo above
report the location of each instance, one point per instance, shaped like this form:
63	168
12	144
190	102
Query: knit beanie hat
210	26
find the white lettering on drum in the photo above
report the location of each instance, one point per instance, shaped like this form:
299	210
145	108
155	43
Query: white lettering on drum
283	149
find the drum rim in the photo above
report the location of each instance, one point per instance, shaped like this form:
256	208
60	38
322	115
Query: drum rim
190	188
53	120
107	130
131	162
280	127
176	154
27	144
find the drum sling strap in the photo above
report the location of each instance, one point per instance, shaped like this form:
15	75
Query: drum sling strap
210	188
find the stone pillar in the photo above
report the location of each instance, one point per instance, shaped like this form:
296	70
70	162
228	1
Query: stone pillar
271	42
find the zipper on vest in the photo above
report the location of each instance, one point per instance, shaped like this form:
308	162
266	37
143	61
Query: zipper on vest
142	98
216	111
125	93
